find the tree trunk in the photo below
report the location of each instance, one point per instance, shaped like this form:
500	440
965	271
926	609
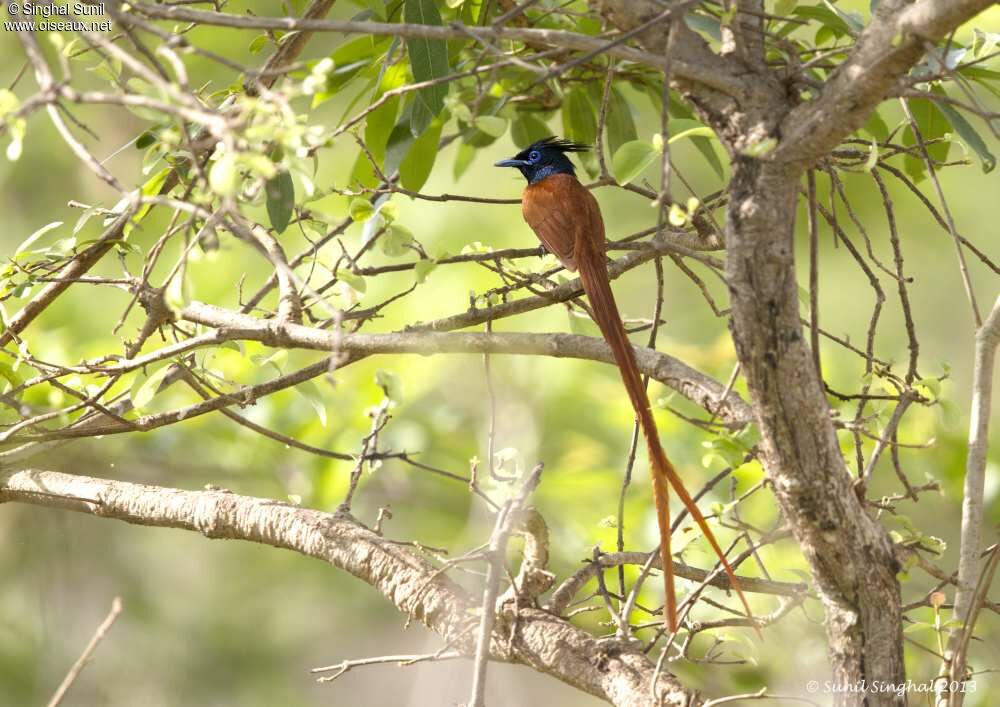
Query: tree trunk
850	554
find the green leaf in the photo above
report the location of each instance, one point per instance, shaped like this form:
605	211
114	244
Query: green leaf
428	60
761	147
8	372
390	384
361	209
378	127
709	26
151	187
579	120
784	7
423	268
933	126
223	177
257	43
825	17
30	240
620	124
8	102
982	43
876	127
631	159
528	128
280	199
144	388
934	544
355	282
389	211
311	392
685	128
463	159
145	140
395	242
853	19
400	140
932	386
700	131
419	161
492	125
968	133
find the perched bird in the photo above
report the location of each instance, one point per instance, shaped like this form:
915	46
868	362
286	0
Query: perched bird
566	218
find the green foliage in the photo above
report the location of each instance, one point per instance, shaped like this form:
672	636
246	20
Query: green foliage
290	154
280	192
429	61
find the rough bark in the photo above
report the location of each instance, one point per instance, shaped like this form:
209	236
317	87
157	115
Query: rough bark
850	554
533	637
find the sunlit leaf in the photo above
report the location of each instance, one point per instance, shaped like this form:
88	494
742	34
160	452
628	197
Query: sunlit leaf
355	282
361	209
391	384
463	159
315	398
423	268
144	388
223	177
396	241
631	159
491	125
30	240
8	102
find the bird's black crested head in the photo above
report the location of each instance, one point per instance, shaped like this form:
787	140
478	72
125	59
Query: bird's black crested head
544	158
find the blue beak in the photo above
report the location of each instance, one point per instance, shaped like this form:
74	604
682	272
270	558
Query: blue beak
511	163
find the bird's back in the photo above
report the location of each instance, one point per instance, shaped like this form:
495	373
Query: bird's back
565	216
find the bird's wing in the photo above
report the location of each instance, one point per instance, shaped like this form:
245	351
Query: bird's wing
561	212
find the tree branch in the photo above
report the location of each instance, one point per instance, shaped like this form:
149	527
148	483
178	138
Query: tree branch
894	42
689	67
606	669
987	340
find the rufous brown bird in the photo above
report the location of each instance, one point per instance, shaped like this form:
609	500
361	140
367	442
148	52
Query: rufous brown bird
566	218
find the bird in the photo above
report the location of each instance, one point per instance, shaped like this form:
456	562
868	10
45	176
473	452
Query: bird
567	220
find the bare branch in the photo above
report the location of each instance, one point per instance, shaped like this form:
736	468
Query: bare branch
542	641
88	652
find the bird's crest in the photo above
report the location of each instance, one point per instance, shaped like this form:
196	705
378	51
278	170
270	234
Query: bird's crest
559	144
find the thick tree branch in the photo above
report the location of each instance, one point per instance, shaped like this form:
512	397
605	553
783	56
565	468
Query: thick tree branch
888	48
703	390
607	669
689	67
689	382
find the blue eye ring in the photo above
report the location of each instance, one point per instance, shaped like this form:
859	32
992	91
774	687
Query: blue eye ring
534	156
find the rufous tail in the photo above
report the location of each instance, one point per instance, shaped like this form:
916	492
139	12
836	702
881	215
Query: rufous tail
594	276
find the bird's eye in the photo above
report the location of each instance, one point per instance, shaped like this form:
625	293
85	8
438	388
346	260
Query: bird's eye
534	156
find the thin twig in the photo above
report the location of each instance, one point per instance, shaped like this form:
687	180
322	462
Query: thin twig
81	662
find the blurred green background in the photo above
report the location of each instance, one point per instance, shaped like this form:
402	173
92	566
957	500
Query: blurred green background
213	623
